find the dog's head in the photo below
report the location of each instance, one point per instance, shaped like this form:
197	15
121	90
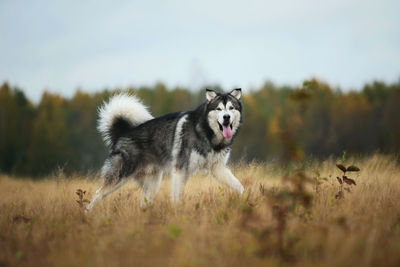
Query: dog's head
224	113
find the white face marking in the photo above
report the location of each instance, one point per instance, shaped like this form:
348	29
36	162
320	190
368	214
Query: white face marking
216	118
224	111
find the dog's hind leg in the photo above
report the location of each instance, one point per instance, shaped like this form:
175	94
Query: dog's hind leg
113	180
104	191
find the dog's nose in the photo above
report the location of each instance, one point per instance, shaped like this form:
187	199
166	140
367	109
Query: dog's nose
226	117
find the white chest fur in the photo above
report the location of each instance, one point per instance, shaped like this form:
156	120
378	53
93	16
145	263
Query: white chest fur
198	162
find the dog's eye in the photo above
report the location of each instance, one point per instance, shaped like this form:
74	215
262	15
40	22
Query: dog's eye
230	108
219	109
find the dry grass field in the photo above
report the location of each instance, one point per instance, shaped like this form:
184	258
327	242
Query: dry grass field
285	217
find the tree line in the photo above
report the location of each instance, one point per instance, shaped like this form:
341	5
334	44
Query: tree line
280	123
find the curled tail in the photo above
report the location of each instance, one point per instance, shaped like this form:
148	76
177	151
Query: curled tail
120	114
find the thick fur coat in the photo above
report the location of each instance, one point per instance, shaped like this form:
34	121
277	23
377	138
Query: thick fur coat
143	148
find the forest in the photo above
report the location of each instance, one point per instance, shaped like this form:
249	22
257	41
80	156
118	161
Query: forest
280	124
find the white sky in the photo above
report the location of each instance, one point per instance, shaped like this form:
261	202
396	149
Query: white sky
104	44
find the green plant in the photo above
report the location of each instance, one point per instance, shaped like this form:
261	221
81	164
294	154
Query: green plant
173	231
345	179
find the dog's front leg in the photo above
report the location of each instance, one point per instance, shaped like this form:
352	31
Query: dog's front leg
178	180
223	175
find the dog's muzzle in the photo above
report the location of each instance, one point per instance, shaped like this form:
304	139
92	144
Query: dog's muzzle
226	126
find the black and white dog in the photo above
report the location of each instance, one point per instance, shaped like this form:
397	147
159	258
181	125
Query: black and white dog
142	148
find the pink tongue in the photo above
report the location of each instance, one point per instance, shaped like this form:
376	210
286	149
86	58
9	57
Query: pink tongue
226	131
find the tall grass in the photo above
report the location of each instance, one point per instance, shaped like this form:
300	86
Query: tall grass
42	224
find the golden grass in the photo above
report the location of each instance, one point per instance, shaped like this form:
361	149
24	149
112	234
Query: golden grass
41	224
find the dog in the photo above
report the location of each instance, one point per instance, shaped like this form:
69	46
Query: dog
143	148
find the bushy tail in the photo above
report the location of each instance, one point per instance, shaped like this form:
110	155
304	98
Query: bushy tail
120	114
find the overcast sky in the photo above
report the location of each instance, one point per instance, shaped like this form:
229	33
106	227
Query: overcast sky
104	44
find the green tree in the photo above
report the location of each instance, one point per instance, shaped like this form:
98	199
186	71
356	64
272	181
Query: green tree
49	144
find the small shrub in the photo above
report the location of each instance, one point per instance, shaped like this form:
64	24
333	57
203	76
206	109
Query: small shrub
345	179
81	200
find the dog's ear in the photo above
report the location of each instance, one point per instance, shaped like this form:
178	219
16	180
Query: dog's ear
236	93
210	94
